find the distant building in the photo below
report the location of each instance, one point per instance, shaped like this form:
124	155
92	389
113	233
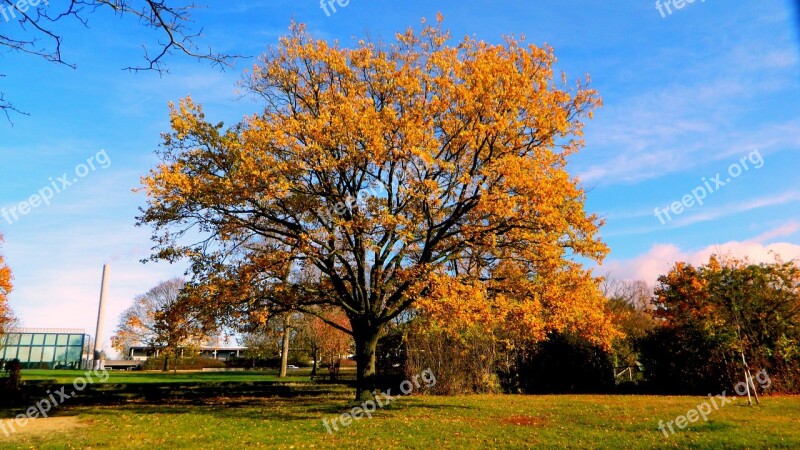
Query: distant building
47	348
121	364
222	353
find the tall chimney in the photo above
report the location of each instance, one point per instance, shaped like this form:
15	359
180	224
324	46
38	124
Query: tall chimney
97	363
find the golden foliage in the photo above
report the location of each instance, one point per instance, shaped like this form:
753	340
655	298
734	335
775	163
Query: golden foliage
416	172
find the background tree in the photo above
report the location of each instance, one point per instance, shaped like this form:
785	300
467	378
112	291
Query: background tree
179	331
404	172
36	31
285	321
715	312
261	346
6	315
159	321
325	343
630	305
279	337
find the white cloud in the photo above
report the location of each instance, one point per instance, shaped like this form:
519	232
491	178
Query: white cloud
661	257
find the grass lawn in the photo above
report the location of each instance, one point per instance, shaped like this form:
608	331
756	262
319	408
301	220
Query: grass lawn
249	411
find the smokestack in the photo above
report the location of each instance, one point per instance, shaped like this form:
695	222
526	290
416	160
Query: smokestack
97	363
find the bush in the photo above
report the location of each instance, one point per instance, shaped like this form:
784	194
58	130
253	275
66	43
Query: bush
462	364
265	363
188	363
713	313
689	360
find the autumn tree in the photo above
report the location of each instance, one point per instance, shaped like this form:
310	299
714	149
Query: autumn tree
325	343
6	315
158	320
716	312
411	173
31	27
280	331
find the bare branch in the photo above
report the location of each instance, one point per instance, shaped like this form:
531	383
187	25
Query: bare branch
35	33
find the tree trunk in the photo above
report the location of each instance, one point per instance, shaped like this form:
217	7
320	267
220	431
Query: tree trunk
315	356
366	338
285	348
166	363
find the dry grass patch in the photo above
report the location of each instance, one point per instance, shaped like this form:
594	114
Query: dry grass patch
10	429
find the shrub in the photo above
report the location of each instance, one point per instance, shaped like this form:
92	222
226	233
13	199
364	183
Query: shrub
187	363
462	364
266	363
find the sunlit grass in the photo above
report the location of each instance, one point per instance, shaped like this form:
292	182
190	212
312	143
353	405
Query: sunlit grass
270	419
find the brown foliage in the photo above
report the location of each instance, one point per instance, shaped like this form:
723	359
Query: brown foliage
6	315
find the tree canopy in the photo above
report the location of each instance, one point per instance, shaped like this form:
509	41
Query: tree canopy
412	173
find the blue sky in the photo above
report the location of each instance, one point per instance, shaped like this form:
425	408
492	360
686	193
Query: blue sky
686	96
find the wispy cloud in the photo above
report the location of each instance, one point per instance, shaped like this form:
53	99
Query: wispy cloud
708	214
788	229
703	115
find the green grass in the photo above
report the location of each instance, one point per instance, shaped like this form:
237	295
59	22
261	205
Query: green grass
250	412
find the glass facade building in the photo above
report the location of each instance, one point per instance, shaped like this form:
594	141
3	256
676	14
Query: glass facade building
47	348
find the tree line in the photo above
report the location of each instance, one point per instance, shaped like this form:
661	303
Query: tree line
694	333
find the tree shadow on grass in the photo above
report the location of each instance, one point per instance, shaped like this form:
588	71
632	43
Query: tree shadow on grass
286	408
184	394
254	400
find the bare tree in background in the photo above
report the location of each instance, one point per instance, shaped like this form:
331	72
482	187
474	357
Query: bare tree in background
631	308
634	293
35	31
160	321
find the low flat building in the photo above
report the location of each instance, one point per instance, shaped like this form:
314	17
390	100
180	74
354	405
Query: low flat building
121	364
222	353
